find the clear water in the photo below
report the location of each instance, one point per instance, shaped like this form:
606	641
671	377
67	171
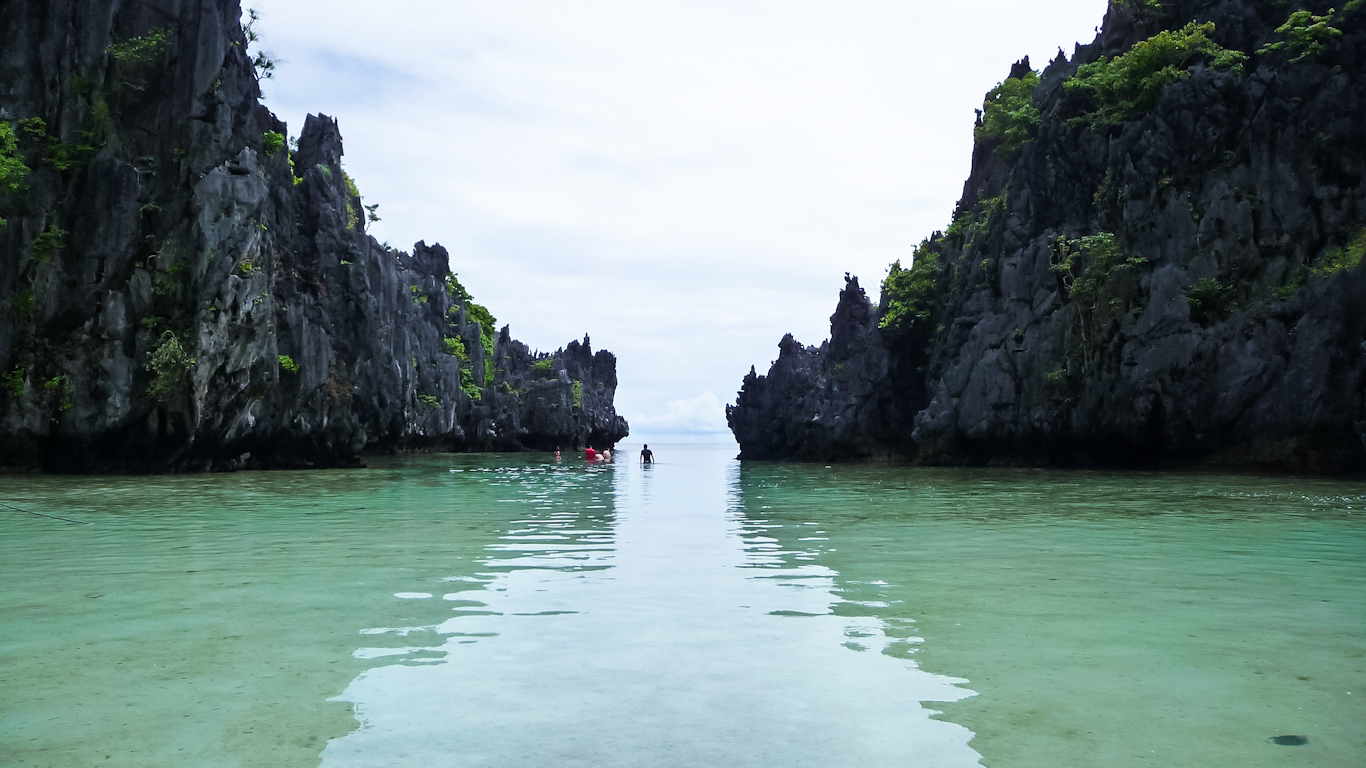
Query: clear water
505	611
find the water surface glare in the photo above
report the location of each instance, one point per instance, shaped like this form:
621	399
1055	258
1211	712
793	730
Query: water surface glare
501	611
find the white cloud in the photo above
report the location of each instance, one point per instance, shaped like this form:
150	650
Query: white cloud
684	180
701	415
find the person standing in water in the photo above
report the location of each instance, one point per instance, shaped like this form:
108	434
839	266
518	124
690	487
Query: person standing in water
590	454
557	453
606	454
647	456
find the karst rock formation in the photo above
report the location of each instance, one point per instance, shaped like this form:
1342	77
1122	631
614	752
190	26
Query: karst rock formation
181	290
1156	262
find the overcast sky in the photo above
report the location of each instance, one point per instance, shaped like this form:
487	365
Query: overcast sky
684	181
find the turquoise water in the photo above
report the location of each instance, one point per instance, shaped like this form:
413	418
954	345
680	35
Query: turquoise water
455	610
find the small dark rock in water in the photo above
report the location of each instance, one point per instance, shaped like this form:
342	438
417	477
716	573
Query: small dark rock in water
1290	741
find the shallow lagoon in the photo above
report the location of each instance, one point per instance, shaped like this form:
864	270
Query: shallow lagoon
503	610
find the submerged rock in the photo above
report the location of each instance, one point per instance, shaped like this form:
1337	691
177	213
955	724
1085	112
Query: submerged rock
179	290
1167	282
1289	741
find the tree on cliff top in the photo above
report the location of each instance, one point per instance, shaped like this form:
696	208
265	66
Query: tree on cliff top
1009	114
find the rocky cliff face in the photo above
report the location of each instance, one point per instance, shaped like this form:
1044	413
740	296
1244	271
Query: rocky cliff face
827	402
178	290
1140	272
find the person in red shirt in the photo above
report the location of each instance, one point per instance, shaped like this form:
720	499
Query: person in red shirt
590	454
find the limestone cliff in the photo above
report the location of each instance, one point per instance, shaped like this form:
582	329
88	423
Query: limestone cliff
180	290
1156	261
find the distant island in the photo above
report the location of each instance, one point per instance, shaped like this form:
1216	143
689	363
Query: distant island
1156	262
184	288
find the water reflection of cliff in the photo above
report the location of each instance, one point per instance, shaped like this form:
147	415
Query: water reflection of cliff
657	633
546	523
786	514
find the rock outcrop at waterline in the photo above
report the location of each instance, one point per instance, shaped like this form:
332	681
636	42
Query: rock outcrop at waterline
178	290
1158	277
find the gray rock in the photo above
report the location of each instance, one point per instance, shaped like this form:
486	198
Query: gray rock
181	224
1250	179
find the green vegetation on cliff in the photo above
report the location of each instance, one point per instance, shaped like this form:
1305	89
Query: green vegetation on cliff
455	290
969	225
1210	301
1127	86
468	386
139	51
353	191
1103	283
908	297
1139	7
51	240
57	393
476	313
1338	258
13	382
263	64
272	142
1009	115
45	148
1305	33
170	365
480	314
12	167
459	295
132	59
